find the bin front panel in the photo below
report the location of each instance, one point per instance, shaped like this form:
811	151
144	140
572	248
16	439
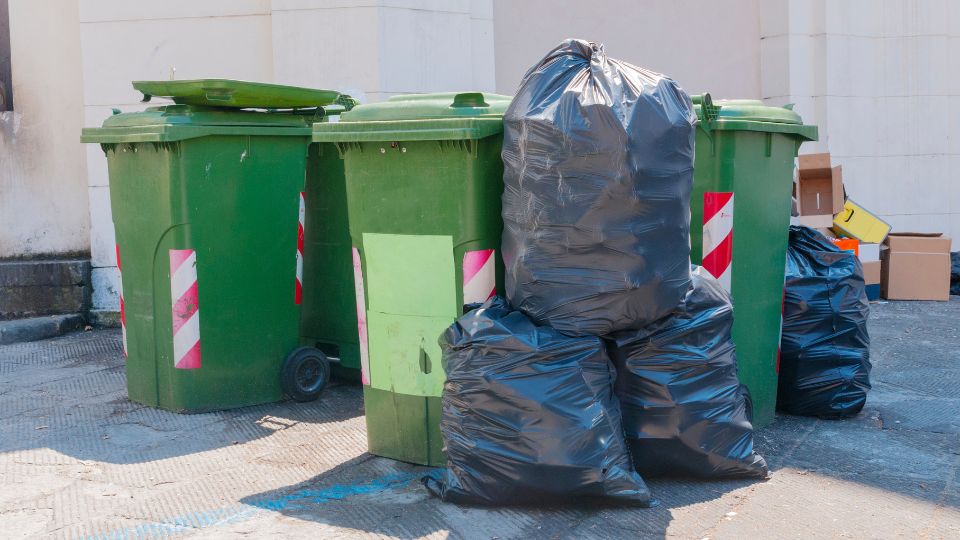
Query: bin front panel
233	202
757	168
416	208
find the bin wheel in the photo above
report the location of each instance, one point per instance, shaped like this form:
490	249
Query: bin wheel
305	374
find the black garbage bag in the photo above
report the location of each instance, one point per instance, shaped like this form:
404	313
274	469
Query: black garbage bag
598	168
684	410
955	273
529	415
825	348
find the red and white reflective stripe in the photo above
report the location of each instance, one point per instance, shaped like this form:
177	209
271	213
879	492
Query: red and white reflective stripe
361	318
718	236
123	312
186	308
479	276
298	295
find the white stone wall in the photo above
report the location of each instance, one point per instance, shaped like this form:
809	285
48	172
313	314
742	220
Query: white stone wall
371	49
706	46
881	79
43	197
375	49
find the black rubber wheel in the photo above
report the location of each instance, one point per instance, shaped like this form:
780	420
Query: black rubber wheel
305	374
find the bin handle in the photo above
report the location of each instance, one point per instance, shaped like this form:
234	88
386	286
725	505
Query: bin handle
218	94
709	111
849	215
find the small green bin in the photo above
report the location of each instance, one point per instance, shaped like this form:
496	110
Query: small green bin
205	198
743	177
423	185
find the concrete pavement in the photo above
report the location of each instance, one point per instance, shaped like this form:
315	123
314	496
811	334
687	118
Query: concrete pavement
79	460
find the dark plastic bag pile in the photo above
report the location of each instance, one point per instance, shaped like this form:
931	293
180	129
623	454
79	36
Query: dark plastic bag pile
684	410
598	168
529	415
825	349
955	273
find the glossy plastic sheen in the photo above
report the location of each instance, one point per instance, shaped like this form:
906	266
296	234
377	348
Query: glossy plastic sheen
825	356
529	415
754	160
420	183
598	167
238	94
684	411
234	200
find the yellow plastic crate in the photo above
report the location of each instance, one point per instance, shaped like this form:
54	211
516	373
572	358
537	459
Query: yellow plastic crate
857	222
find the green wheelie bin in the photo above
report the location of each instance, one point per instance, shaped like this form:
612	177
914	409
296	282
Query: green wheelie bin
205	196
423	185
740	215
329	318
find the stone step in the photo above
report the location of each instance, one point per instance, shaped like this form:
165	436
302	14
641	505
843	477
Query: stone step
32	288
35	328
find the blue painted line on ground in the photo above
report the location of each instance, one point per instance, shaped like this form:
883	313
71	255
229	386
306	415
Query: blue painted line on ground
219	517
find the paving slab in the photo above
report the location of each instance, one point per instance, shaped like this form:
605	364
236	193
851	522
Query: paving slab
79	460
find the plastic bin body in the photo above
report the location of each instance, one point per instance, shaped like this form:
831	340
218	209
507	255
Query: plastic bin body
423	182
749	150
329	317
219	188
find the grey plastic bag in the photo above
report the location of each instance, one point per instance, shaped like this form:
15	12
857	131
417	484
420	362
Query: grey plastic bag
529	415
825	347
684	410
598	168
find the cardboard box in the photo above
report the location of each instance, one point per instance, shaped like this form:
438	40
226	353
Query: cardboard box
869	252
814	164
857	222
818	195
915	266
871	272
814	222
818	190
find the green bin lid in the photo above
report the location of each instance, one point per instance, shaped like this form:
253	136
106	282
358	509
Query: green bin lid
236	94
180	122
439	116
750	115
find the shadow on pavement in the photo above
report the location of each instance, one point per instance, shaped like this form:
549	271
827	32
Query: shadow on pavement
905	442
69	395
384	497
